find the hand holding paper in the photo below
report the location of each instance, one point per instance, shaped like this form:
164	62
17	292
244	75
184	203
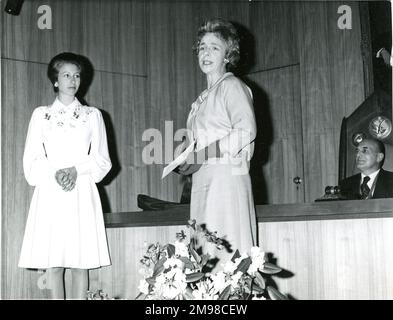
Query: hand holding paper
178	161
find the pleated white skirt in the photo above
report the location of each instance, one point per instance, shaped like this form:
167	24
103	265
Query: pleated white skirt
65	229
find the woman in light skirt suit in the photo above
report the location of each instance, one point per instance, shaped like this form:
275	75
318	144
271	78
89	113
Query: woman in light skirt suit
222	126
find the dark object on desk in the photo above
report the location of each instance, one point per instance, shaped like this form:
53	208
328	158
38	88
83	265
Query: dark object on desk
146	202
332	193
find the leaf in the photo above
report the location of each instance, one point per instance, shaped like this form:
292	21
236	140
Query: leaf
225	294
274	294
196	276
270	268
205	259
141	296
187	295
243	265
187	263
236	255
259	280
151	280
195	255
159	267
258	289
171	250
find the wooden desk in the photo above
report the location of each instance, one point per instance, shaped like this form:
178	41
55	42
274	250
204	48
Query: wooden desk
335	250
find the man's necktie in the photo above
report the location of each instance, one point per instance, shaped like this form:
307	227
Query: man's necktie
364	189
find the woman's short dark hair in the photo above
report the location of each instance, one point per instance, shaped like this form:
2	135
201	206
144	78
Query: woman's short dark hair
227	32
58	61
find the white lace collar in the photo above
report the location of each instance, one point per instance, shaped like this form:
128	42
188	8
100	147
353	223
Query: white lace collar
59	106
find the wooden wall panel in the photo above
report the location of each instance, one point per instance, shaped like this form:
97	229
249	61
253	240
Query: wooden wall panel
332	259
331	74
276	18
23	90
121	97
170	48
107	32
282	158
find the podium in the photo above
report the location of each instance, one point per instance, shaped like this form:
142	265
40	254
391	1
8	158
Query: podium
372	119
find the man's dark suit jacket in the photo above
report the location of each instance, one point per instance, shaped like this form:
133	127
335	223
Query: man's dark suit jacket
349	187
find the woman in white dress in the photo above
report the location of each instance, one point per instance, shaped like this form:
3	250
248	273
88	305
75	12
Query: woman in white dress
65	155
222	125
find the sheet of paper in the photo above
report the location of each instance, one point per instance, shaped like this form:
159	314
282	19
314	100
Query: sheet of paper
178	161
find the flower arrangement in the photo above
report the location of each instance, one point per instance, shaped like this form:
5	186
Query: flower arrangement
177	271
97	295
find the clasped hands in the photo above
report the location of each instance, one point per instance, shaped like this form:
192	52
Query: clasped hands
66	178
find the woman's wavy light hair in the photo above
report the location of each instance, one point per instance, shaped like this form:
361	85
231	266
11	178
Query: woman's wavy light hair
227	32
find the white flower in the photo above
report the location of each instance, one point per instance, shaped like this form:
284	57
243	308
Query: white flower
173	262
146	272
229	267
252	269
256	252
170	284
235	279
257	264
219	281
258	260
143	286
205	291
181	249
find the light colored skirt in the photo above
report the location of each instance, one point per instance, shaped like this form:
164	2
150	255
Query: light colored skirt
65	229
224	202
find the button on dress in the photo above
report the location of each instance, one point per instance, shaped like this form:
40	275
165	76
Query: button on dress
65	228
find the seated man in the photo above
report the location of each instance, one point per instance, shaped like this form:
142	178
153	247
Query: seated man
372	182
